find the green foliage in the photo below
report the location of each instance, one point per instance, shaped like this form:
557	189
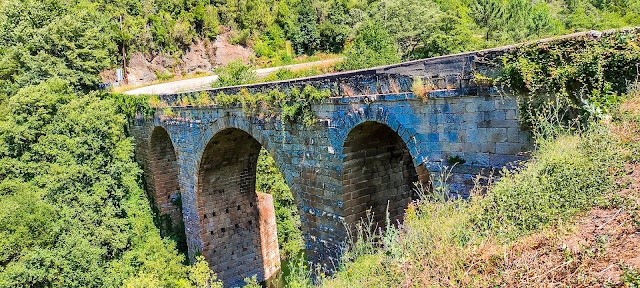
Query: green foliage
66	160
201	276
576	74
408	22
68	40
129	105
294	107
299	274
163	76
453	160
488	14
235	73
269	180
568	175
630	277
372	47
251	282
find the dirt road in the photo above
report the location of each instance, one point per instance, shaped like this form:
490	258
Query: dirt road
202	83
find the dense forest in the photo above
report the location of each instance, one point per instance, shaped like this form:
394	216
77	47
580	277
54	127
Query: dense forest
413	28
72	208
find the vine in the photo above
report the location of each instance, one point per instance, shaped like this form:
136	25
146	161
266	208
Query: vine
293	106
583	78
129	105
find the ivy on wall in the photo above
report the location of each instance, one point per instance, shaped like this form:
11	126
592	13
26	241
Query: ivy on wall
581	77
293	106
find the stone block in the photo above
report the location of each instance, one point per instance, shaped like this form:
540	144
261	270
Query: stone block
508	148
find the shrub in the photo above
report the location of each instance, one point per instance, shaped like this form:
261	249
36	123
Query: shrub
235	73
567	175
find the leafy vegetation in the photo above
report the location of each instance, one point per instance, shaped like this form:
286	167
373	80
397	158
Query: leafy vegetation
52	39
278	30
235	73
587	80
73	213
270	180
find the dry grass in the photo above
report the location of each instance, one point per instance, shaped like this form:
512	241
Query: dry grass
421	88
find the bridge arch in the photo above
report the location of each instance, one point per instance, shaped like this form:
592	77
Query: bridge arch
165	188
238	228
378	174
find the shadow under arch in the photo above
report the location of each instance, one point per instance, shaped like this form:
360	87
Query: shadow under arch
238	227
378	174
164	188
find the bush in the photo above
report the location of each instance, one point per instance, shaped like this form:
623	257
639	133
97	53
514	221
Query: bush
72	212
568	175
235	73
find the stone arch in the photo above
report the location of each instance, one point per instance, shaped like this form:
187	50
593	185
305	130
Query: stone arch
381	115
165	188
238	226
378	174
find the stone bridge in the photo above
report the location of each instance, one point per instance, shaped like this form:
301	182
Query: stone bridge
373	139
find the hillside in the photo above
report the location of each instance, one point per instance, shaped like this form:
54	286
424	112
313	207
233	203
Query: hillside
74	211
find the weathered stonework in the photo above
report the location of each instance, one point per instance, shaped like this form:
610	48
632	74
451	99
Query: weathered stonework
364	152
268	235
373	140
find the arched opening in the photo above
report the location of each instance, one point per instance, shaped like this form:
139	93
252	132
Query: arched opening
238	222
165	189
378	175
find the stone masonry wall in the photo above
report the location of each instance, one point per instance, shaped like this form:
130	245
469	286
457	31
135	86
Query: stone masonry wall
164	189
228	207
268	235
374	137
378	175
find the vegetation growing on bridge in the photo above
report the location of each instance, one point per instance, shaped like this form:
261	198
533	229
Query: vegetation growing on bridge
292	107
585	77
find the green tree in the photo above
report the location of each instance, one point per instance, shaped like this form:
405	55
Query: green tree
408	22
306	37
82	220
210	22
53	38
542	22
488	15
372	47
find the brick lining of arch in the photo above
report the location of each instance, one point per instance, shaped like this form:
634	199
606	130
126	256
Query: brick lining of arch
378	174
238	226
164	167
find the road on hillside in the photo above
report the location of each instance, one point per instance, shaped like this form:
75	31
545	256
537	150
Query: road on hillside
203	83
